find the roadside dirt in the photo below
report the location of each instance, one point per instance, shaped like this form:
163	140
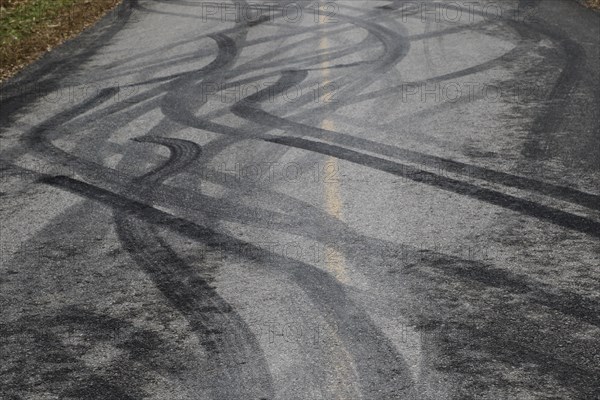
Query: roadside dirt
19	47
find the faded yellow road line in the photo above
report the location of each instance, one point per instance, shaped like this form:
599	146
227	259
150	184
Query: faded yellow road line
334	259
345	373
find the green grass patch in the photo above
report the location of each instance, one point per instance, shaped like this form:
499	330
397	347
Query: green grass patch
23	19
28	28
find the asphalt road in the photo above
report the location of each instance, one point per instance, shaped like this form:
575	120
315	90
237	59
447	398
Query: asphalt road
352	200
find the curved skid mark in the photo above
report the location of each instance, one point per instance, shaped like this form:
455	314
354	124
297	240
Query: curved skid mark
383	366
549	214
221	330
138	222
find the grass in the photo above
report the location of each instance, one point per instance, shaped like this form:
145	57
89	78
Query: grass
594	4
29	28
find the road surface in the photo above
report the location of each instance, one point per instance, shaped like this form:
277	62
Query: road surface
294	200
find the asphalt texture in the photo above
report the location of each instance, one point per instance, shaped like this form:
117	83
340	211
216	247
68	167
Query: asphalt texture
293	200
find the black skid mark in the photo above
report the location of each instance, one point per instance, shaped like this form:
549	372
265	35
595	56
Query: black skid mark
237	368
530	290
522	206
382	370
182	153
590	200
290	78
43	354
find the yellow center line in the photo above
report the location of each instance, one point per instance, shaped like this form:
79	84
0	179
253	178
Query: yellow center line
334	259
345	389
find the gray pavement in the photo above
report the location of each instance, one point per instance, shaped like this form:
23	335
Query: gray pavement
293	200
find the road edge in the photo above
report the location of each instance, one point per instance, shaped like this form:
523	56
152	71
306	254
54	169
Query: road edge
46	73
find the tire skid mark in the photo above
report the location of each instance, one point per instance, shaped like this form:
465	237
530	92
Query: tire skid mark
338	234
59	367
288	79
248	43
182	154
589	199
221	331
150	189
565	193
551	120
328	294
398	369
245	110
391	52
236	364
533	209
37	139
